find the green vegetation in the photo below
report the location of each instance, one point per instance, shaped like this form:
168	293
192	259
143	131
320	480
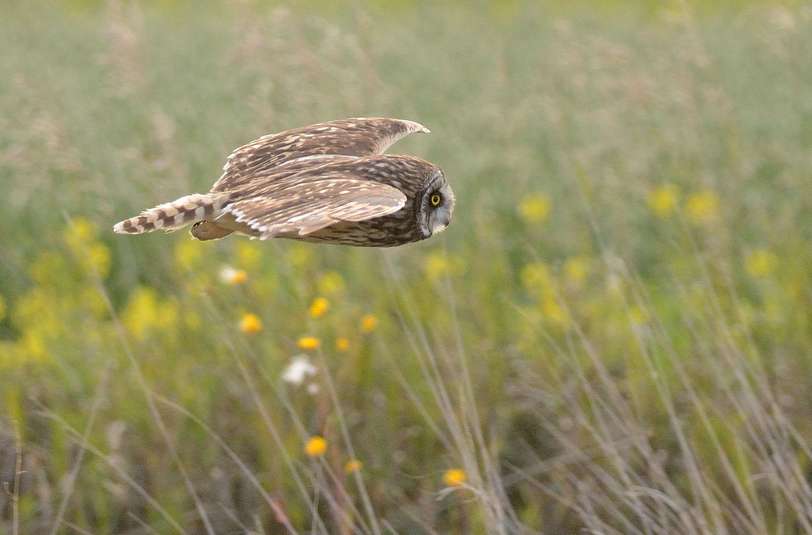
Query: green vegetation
614	335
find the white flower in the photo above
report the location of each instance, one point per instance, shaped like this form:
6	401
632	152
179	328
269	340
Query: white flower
313	389
298	370
230	275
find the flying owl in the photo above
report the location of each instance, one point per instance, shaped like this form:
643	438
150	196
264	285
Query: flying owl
328	182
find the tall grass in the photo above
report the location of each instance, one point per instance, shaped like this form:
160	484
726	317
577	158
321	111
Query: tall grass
612	337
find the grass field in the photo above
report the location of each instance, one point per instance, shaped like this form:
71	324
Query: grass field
614	335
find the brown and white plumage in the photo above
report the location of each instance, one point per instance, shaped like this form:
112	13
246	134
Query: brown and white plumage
326	182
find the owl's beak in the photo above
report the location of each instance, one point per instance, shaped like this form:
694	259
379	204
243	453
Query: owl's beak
441	222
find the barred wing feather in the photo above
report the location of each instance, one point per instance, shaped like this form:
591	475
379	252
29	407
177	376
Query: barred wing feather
265	156
308	207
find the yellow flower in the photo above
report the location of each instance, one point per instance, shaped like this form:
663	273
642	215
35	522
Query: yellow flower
454	477
229	275
315	446
576	269
36	309
353	465
91	256
319	307
702	206
534	208
368	323
47	268
309	342
663	200
93	301
637	316
33	346
14	409
248	255
250	323
188	254
96	259
342	344
554	312
435	266
439	265
145	312
760	263
300	256
331	283
536	277
79	232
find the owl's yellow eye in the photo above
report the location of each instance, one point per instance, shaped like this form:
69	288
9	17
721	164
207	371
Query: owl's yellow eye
435	199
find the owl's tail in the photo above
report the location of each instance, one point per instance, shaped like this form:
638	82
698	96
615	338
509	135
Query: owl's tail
174	215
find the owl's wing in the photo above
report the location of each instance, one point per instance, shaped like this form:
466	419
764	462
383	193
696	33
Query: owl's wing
307	207
348	137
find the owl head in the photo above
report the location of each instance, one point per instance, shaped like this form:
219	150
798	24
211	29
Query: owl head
435	204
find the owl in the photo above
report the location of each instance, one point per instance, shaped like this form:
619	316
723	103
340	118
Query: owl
328	182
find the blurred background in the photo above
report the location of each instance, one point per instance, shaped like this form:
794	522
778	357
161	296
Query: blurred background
613	336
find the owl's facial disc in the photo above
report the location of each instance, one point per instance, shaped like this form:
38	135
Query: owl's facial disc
437	206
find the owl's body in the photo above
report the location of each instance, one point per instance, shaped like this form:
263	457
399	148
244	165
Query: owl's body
328	182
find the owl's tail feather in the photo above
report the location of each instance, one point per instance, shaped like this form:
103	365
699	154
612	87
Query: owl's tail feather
174	215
